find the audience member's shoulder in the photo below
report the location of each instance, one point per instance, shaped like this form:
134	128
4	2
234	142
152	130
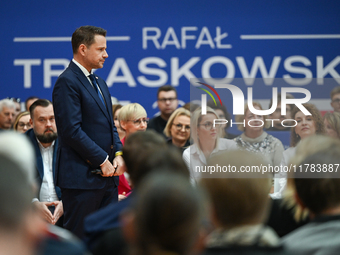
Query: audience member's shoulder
61	241
281	218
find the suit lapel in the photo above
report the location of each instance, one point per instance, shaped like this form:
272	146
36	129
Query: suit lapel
39	162
86	83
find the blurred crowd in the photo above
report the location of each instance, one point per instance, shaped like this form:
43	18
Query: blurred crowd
169	202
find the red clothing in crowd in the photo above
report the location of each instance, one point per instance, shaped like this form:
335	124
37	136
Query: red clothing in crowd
123	183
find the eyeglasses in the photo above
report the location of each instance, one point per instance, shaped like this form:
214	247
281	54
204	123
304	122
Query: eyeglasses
22	125
139	121
336	100
180	127
170	99
208	125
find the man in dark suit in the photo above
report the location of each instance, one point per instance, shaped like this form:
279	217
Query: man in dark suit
43	136
88	138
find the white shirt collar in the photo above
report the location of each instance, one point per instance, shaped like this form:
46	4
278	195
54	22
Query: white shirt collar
83	69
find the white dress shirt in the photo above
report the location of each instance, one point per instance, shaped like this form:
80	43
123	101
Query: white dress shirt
193	156
280	179
47	190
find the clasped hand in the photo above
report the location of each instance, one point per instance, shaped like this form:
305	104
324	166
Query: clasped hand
46	213
114	169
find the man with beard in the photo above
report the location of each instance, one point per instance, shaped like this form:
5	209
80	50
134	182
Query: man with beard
43	136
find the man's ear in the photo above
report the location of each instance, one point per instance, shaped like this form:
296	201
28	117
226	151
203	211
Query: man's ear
31	122
128	220
82	49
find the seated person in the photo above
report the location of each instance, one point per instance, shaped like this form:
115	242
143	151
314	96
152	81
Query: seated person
132	118
319	193
332	124
178	129
240	205
223	113
166	216
335	97
18	186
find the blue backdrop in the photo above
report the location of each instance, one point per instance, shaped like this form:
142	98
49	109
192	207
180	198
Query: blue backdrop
152	43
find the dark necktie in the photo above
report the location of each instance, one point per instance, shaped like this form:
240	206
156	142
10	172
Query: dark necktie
95	85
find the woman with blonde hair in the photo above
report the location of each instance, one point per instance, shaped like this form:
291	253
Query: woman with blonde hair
255	139
207	142
177	128
332	124
22	122
132	118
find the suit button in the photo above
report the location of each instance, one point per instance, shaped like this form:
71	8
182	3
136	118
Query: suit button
111	147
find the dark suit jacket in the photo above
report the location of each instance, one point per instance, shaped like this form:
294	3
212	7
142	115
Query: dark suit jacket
86	131
39	162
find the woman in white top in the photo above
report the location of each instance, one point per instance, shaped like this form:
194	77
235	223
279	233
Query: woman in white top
207	142
305	127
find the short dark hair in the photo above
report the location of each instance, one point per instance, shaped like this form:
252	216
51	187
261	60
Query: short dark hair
166	88
169	212
30	98
85	35
320	194
145	151
135	144
40	102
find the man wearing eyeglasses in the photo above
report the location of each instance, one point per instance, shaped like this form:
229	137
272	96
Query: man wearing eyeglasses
167	103
7	114
335	96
